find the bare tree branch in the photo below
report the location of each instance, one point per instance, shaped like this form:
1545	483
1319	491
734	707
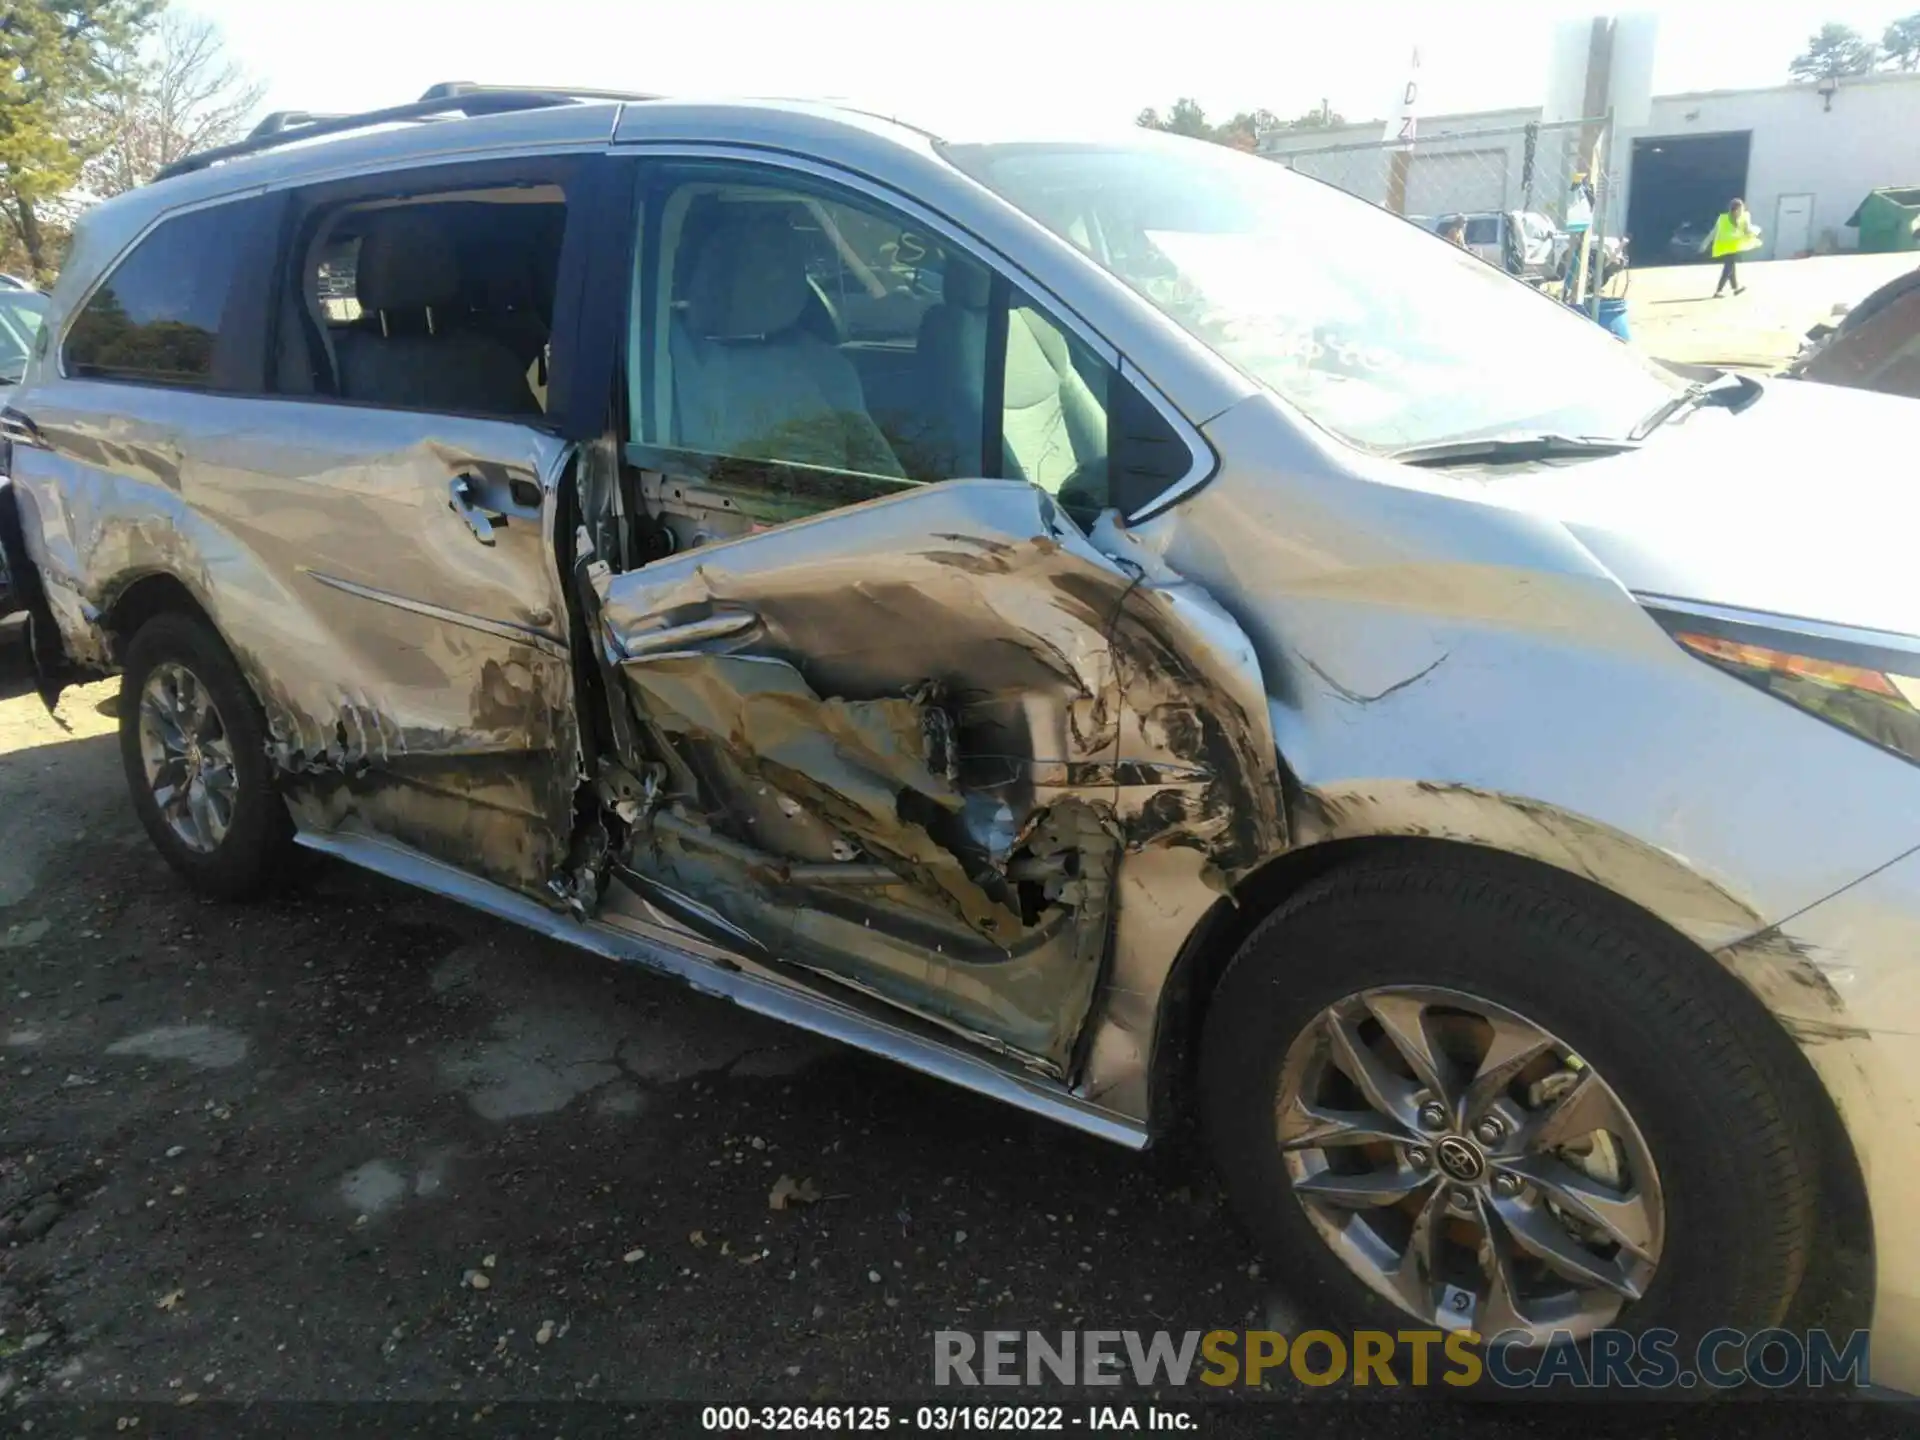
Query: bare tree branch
180	93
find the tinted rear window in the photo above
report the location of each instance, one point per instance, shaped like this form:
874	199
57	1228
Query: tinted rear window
157	316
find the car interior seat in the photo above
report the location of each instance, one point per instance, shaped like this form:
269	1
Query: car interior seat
952	355
411	345
749	379
509	269
1053	423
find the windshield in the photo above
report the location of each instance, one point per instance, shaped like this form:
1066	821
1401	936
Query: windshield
20	315
1376	329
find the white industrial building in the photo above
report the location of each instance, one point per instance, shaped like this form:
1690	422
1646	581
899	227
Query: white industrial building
1802	155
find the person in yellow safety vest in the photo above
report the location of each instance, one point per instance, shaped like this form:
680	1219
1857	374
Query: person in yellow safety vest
1733	234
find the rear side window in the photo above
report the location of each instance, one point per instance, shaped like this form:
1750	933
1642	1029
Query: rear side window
441	301
156	318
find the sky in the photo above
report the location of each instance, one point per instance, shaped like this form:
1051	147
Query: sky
937	65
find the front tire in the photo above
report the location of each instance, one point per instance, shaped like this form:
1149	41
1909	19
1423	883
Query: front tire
193	745
1464	1096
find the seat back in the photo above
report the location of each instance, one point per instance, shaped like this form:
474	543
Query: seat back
748	380
952	351
409	347
1053	423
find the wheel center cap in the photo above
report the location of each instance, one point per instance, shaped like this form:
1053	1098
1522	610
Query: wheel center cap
1460	1158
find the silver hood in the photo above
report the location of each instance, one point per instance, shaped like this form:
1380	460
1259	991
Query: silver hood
1806	504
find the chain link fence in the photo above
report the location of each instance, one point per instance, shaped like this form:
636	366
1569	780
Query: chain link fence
1529	174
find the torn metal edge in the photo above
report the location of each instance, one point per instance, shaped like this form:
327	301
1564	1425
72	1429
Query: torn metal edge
761	993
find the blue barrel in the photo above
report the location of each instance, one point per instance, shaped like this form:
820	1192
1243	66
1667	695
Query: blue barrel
1613	316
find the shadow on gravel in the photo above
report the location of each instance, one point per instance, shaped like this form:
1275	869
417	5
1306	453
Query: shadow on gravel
16	666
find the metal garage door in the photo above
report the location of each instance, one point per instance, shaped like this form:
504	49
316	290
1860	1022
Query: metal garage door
1456	181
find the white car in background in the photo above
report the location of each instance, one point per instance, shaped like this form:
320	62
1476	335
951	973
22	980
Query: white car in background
1524	242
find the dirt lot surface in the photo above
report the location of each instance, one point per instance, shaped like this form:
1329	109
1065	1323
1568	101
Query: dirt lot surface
1672	313
360	1144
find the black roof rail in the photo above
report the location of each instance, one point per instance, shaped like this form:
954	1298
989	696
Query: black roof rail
281	120
284	127
449	89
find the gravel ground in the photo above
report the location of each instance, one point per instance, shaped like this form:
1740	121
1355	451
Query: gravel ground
359	1144
1673	315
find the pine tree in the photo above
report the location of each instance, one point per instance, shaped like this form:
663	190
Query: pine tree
54	56
1901	43
1834	53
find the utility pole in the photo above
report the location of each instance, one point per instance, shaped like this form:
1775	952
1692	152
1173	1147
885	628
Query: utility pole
1399	167
1593	141
1599	82
1591	238
1400	134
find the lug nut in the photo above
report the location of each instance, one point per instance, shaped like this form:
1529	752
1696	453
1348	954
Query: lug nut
1419	1158
1506	1186
1433	1115
1489	1131
1461	1202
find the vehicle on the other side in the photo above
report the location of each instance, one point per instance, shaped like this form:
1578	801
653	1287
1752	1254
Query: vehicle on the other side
1874	346
1526	243
1112	623
21	311
1689	240
1521	242
21	315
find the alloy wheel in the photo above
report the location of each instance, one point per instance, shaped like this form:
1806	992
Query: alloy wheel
188	757
1468	1165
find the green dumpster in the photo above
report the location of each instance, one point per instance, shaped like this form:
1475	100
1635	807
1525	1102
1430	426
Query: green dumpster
1889	219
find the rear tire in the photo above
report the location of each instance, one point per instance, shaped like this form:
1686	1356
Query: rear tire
1705	1126
193	744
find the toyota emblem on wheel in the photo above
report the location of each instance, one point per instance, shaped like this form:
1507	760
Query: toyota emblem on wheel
1460	1159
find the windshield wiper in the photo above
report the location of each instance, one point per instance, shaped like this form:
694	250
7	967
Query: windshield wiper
1509	450
1735	392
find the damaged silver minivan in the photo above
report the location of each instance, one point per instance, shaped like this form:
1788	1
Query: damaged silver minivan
1108	621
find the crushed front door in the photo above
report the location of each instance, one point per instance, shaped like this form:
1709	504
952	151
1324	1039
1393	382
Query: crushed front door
908	744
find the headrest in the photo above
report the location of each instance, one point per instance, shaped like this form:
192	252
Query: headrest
407	262
965	284
750	277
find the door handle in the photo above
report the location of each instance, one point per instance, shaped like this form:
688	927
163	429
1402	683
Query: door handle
677	637
460	500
